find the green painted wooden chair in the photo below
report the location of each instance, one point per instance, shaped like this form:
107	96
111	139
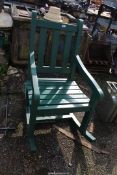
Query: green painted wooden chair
54	98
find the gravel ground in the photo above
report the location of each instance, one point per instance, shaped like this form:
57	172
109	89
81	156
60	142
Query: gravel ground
56	153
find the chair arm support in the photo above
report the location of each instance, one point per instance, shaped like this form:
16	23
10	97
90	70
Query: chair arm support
34	79
97	92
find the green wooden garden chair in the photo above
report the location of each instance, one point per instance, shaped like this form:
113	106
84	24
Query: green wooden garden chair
54	98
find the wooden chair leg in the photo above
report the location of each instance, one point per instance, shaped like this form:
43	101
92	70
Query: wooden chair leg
84	125
31	129
85	121
30	123
82	130
32	144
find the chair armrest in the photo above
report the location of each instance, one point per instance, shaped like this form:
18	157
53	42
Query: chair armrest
34	79
97	92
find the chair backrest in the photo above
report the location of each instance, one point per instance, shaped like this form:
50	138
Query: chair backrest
55	39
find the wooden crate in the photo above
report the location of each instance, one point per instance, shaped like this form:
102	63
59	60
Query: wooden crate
98	56
20	42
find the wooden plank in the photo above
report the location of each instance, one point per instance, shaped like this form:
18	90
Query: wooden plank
53	110
59	70
46	118
81	140
57	83
57	26
60	91
63	101
69	107
66	49
55	44
54	79
61	96
33	29
42	46
59	87
78	37
76	47
53	117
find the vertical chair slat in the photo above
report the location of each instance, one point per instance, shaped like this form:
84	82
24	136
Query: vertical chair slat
31	41
32	32
76	49
79	33
55	45
66	49
42	46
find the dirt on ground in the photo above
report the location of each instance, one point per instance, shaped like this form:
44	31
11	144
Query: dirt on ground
56	154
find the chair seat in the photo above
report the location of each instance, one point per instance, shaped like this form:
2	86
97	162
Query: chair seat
60	94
